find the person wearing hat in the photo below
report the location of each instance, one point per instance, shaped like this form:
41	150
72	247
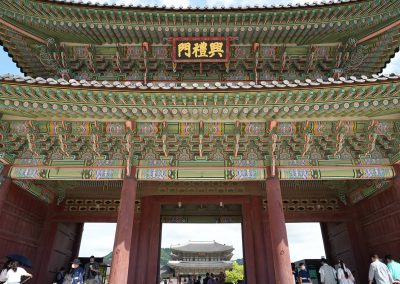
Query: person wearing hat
76	272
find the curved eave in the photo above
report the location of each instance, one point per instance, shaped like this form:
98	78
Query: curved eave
222	252
353	98
351	8
320	4
178	251
202	87
198	264
28	17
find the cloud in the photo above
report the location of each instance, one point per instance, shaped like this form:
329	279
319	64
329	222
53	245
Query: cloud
393	66
305	241
97	239
176	3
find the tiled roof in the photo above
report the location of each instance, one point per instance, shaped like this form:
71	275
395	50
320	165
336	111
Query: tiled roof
198	85
164	7
202	247
199	264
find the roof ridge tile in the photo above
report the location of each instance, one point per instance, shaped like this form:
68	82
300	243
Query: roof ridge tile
319	3
200	86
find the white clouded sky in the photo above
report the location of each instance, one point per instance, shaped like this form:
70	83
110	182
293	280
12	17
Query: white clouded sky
97	239
394	65
305	240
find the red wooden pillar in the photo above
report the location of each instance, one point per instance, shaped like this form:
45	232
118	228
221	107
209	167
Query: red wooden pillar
5	185
280	247
359	246
123	235
259	240
268	249
134	258
154	246
144	241
46	244
396	180
248	244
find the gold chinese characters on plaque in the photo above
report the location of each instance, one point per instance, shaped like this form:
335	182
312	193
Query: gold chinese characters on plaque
200	49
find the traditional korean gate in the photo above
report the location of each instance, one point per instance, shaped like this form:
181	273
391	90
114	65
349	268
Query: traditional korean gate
144	265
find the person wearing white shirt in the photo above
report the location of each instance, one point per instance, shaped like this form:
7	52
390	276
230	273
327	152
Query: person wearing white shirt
327	272
15	273
379	272
344	274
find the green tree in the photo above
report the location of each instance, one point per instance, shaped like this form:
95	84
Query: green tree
165	256
237	273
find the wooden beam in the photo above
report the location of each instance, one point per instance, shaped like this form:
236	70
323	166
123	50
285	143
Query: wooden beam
378	32
324	216
84	217
21	31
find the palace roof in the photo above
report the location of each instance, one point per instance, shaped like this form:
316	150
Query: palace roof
103	42
245	85
352	98
208	247
164	7
200	265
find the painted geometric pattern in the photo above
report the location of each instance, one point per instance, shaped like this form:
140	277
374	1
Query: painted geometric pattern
366	191
383	172
309	205
246	170
91	205
66	173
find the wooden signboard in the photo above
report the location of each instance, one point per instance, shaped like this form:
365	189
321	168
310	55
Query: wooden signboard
200	49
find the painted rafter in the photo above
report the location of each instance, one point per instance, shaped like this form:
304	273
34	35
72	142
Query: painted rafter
347	98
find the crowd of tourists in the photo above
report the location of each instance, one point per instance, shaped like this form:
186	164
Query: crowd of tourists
88	274
13	273
386	271
210	278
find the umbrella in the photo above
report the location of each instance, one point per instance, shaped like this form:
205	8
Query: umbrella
23	260
27	279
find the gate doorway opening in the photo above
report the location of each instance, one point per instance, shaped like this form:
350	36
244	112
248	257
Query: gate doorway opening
201	238
98	241
305	241
306	245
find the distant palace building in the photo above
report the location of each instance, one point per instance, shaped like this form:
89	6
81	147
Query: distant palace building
198	258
